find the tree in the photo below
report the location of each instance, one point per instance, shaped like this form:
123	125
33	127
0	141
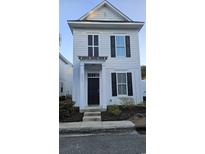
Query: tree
143	72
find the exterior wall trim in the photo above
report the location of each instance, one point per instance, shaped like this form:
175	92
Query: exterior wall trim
109	5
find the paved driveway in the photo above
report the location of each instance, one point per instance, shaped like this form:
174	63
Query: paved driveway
109	143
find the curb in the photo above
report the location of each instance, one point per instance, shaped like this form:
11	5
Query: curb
96	130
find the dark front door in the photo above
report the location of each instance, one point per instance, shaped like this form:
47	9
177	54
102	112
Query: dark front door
93	91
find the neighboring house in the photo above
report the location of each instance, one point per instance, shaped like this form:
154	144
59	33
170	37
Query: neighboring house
106	60
65	76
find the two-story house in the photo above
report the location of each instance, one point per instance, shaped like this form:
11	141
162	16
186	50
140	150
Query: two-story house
106	60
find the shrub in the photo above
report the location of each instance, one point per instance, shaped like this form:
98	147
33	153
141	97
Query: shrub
68	96
127	104
143	104
66	108
126	101
62	98
114	109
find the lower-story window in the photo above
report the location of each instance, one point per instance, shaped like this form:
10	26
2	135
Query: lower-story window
121	84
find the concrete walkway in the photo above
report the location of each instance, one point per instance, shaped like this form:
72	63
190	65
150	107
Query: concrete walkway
95	127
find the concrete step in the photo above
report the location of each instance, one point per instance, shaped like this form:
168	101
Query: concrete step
92	118
92	113
92	109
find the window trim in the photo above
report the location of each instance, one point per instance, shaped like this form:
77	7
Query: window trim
126	83
93	45
93	75
116	53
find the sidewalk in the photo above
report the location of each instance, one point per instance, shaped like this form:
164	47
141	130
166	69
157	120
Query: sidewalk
95	127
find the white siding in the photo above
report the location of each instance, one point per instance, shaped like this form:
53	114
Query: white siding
81	45
137	97
127	64
105	13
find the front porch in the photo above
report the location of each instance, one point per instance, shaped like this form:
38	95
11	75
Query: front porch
92	80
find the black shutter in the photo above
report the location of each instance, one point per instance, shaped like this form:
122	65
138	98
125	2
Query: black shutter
114	85
112	45
90	43
127	39
129	84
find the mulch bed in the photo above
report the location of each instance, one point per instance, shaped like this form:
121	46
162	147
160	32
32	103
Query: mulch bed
76	116
68	112
136	114
139	121
125	114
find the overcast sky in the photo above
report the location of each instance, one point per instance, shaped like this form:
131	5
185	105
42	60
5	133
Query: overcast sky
74	9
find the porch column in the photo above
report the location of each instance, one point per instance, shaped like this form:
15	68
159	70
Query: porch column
82	86
104	91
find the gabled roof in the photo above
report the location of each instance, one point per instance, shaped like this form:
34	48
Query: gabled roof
123	22
109	5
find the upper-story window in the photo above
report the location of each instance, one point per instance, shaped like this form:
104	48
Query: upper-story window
93	45
120	46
